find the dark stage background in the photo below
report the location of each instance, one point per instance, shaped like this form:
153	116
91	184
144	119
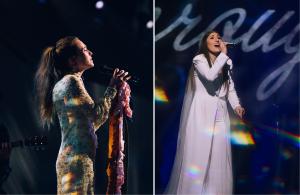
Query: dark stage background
118	36
266	74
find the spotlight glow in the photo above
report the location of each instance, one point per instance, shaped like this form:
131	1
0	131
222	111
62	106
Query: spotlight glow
99	4
149	24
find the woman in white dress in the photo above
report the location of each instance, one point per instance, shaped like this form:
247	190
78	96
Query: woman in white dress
203	158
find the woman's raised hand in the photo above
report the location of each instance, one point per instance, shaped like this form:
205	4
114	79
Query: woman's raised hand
223	47
119	76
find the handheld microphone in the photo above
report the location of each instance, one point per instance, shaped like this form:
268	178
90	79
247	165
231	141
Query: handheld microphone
231	44
109	71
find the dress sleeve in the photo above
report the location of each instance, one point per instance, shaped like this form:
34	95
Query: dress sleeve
78	97
232	96
101	109
203	68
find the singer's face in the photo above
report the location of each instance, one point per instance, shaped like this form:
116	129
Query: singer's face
213	43
83	60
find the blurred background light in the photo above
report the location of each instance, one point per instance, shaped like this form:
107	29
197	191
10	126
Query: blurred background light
149	24
99	4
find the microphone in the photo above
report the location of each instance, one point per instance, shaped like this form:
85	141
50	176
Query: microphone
231	44
109	71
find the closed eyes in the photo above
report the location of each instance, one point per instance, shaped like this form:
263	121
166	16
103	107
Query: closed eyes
84	49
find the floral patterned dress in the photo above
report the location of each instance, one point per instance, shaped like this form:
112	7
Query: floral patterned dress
79	118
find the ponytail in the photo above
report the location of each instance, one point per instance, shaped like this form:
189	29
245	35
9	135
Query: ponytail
45	78
52	67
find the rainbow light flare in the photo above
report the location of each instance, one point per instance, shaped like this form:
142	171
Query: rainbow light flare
292	138
242	138
71	101
193	171
240	133
161	95
245	138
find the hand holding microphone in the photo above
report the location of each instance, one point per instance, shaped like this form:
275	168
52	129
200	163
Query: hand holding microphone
119	76
223	47
227	45
109	71
231	44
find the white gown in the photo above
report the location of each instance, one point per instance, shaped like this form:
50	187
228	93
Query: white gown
203	157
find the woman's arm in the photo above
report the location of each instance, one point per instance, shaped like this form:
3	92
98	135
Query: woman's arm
102	108
201	65
232	95
78	98
234	100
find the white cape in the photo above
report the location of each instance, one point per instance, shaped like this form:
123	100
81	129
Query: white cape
191	169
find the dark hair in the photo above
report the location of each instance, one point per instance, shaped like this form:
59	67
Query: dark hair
204	50
52	67
203	46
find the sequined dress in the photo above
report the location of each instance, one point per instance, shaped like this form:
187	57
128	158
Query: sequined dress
79	118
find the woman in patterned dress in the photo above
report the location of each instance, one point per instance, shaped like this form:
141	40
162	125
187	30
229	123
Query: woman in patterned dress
61	92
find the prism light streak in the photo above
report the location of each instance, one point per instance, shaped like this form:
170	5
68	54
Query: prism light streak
240	133
161	95
242	138
194	171
290	137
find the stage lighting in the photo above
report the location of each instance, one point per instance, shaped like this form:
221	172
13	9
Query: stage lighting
149	24
99	4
